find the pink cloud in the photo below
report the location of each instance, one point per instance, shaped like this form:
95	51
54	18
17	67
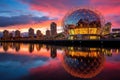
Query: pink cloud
54	8
58	8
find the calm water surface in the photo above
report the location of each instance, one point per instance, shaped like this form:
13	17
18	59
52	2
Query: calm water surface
45	62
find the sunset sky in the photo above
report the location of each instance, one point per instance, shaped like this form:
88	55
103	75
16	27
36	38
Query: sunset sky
38	14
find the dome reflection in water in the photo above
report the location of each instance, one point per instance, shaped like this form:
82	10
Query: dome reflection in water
83	62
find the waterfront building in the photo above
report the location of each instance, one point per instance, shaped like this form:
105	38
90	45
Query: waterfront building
115	30
17	35
53	28
48	35
106	29
82	24
39	35
31	33
5	35
11	36
115	33
84	30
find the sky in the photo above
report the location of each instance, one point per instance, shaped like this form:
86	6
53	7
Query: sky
38	14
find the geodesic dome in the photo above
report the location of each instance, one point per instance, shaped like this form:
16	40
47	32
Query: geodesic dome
86	16
83	64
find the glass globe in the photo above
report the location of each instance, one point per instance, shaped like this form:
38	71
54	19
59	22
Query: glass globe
82	24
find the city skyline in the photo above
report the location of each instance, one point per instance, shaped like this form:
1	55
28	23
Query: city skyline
59	39
21	15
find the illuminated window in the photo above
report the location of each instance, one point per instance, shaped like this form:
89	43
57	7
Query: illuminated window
71	37
83	30
92	30
94	37
71	31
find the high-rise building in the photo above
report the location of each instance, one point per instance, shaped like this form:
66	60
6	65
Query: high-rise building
11	36
53	27
5	35
39	35
48	33
31	33
17	34
106	29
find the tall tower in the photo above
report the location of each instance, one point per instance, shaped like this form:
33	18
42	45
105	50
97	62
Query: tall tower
53	27
39	34
31	33
17	34
5	35
48	33
11	36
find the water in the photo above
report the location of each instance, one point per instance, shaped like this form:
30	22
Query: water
20	61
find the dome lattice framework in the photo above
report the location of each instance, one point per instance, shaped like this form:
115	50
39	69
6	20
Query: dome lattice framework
79	23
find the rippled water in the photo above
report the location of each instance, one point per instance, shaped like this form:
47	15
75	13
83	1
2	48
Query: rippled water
20	61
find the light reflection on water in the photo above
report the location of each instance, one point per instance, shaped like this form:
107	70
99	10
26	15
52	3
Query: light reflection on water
39	61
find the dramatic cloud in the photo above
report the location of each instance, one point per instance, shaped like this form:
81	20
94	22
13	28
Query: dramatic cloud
107	7
115	19
58	8
54	8
23	19
24	12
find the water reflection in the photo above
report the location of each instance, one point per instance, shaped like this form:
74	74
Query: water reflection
53	51
17	46
20	47
38	47
31	48
79	62
83	62
5	46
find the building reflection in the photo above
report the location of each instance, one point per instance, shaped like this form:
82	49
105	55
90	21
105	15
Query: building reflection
5	46
47	47
53	51
38	47
17	46
83	62
31	48
72	51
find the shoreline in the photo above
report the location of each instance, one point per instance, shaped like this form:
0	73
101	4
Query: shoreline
88	43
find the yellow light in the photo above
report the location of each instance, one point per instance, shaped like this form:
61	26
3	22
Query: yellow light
71	31
92	30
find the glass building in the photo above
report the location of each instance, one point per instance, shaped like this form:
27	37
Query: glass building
82	24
